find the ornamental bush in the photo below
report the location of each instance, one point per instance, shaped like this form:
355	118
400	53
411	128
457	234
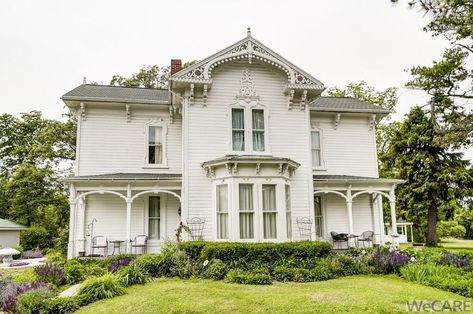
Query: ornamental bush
104	287
35	237
450	229
34	301
387	261
151	264
132	275
242	277
249	255
455	260
51	273
215	270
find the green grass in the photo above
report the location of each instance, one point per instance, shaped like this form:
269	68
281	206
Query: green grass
358	294
457	245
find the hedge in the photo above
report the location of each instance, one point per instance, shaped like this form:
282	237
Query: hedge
256	253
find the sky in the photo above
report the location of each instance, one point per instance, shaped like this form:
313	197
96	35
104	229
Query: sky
47	47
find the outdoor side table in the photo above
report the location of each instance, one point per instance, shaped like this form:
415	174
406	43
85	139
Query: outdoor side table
116	245
354	238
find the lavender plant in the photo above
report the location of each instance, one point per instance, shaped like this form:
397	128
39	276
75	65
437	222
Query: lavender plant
389	261
12	290
51	273
452	259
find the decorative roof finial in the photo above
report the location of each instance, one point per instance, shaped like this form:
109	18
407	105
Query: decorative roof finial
248	31
84	81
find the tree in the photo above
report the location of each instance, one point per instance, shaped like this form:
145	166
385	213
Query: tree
34	152
437	177
450	229
151	76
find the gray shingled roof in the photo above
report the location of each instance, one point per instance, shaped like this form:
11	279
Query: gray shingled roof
125	177
249	158
10	225
105	93
344	104
345	178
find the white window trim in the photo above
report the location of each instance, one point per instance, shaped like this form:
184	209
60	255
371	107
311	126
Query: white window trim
247	109
162	222
322	159
324	216
164	163
229	211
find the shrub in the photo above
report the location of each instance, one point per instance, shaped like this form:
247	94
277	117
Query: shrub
32	254
387	261
51	273
450	229
150	264
35	237
96	288
215	270
26	276
12	291
455	260
417	272
62	305
248	255
55	256
74	271
283	273
239	276
175	262
116	265
34	301
132	275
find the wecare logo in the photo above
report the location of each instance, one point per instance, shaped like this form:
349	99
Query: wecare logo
439	306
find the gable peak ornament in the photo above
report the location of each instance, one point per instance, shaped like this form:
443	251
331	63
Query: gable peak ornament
247	87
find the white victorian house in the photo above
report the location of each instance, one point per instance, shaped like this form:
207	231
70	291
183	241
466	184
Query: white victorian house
242	139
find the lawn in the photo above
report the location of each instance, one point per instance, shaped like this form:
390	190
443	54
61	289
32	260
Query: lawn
357	294
457	245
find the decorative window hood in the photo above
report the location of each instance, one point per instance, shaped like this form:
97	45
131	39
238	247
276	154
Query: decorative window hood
232	163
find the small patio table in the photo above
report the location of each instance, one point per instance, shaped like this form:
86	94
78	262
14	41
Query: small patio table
116	245
354	238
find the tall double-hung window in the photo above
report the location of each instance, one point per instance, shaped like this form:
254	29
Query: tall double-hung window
155	145
269	211
316	149
248	130
247	212
222	211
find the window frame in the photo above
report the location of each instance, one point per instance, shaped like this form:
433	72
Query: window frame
323	216
162	217
229	227
321	149
272	211
248	131
164	161
288	210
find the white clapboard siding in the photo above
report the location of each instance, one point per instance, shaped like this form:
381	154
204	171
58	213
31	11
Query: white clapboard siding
110	144
209	136
364	215
350	148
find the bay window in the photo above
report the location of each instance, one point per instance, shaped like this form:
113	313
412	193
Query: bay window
246	214
269	211
288	212
222	211
154	217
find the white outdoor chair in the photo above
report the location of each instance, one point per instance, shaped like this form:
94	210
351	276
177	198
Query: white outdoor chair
140	241
100	242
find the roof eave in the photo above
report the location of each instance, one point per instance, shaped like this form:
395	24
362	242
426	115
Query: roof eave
116	100
347	110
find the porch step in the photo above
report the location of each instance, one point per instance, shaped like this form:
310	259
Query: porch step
71	291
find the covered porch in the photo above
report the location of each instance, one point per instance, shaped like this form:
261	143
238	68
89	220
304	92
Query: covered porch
119	208
352	205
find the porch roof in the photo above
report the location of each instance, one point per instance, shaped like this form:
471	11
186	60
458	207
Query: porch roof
345	104
352	179
125	177
250	159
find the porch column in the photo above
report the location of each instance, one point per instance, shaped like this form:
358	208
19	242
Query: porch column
350	210
80	225
392	203
128	219
72	215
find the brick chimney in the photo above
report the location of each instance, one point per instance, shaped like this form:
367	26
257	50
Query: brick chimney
176	65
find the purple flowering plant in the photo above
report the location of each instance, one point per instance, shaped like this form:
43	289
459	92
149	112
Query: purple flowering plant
456	260
32	254
116	265
11	291
389	261
51	273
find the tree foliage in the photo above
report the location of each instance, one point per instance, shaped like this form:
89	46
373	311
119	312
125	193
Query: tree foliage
34	152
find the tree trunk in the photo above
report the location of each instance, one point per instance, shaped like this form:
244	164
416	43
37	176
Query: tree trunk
432	224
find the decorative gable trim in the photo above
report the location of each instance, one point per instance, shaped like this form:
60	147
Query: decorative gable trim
248	49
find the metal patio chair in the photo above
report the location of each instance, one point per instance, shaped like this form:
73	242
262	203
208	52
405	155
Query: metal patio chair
339	239
99	242
366	237
140	241
196	228
305	227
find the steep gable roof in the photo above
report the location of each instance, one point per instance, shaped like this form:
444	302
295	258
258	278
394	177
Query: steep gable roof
106	93
345	104
250	49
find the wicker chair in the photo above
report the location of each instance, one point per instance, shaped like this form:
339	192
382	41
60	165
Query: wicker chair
99	242
140	241
366	237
